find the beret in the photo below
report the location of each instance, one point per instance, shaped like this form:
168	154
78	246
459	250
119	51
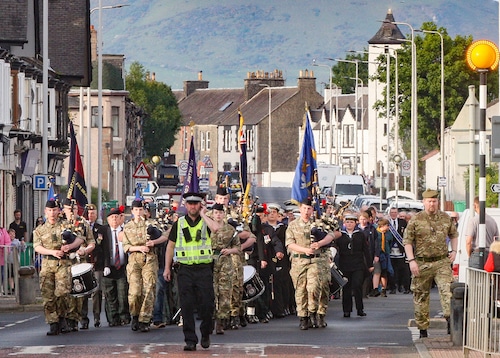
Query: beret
218	206
137	204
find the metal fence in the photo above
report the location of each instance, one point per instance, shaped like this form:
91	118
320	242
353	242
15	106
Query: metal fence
9	269
482	312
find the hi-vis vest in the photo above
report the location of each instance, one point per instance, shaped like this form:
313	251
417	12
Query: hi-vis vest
196	249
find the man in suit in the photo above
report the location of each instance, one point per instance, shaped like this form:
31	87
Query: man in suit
401	279
97	259
114	281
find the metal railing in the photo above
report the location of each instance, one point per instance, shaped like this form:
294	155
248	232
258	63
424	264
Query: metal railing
482	312
9	269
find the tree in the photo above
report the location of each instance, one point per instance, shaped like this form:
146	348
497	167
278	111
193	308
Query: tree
344	73
457	78
163	118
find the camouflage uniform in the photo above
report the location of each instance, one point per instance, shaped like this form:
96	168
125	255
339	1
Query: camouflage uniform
223	270
306	270
325	278
142	271
428	234
237	306
55	276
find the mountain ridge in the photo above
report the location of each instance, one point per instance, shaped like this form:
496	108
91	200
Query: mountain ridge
227	39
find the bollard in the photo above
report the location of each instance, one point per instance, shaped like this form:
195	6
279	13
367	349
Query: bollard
457	313
27	288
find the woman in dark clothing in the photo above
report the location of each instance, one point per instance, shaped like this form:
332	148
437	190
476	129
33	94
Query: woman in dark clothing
354	261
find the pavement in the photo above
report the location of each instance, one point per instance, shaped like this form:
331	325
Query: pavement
437	345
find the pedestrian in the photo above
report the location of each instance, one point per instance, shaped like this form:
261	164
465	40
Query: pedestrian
190	238
305	267
19	226
55	275
355	262
142	267
427	252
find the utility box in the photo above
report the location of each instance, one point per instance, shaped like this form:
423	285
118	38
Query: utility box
27	287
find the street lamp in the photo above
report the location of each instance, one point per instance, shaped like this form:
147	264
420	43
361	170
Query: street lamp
99	100
156	160
330	101
397	160
482	56
442	108
414	108
269	158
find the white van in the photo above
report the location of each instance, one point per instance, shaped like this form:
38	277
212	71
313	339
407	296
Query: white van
462	258
348	187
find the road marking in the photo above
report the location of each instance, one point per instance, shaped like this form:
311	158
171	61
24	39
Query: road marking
19	322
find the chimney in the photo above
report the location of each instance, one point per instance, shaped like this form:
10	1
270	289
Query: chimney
93	43
306	80
191	86
255	79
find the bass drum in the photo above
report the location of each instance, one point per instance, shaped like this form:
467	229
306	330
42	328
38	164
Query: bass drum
83	281
253	286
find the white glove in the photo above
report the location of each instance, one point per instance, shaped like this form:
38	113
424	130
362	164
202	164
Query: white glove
107	271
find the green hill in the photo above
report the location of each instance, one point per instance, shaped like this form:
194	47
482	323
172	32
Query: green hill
228	38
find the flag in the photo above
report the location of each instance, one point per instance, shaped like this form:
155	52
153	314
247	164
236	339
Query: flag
138	195
51	195
77	189
305	180
242	146
191	183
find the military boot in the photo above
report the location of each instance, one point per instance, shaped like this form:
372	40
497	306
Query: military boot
54	329
235	322
63	326
313	319
321	321
243	321
304	323
135	323
219	329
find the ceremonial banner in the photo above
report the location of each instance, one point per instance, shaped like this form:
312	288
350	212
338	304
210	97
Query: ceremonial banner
191	183
77	188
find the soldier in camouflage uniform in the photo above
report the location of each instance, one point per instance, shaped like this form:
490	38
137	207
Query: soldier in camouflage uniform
75	304
427	252
55	276
142	267
225	244
306	265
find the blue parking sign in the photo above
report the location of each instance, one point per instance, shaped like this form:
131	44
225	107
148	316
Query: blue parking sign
40	182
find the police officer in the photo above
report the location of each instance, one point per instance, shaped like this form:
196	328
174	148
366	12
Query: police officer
142	267
427	252
306	265
55	276
190	237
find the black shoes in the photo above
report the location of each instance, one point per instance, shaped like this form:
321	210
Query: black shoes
347	314
361	313
97	323
234	322
205	341
63	326
190	347
321	321
243	321
54	329
84	325
393	291
383	293
313	320
423	333
304	323
144	327
135	323
374	293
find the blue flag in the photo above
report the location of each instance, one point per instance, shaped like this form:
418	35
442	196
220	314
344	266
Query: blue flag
52	195
77	189
305	181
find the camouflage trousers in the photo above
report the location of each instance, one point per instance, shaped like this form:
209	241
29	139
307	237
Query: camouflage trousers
237	306
439	271
223	286
142	272
325	278
305	275
55	286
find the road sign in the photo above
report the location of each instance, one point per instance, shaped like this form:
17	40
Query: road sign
151	188
442	182
495	188
406	168
141	183
209	167
40	182
204	184
141	171
183	167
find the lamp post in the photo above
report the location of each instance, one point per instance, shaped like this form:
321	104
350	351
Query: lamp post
269	134
442	109
99	101
361	120
330	102
397	160
156	160
482	56
414	109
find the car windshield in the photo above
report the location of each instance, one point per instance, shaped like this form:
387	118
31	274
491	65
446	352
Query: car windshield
348	189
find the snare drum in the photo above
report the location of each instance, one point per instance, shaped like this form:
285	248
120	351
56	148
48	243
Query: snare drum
84	282
253	286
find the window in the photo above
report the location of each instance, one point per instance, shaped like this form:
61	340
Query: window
115	120
323	141
207	140
348	135
250	138
202	140
227	139
95	119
